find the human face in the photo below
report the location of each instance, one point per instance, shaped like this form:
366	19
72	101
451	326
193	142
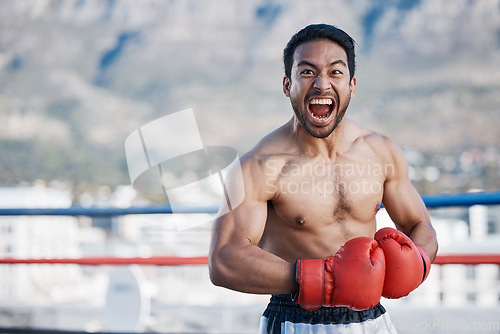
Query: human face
319	86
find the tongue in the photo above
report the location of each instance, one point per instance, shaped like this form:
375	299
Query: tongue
319	109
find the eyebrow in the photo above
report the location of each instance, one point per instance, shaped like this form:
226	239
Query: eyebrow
308	63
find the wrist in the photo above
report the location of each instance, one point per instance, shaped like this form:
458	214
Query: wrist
310	276
426	262
296	290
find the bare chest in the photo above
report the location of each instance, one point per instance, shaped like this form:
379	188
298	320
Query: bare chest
330	192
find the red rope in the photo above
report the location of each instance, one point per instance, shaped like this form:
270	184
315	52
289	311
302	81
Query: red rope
470	259
94	261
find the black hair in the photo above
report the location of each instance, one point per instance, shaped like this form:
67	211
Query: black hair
315	32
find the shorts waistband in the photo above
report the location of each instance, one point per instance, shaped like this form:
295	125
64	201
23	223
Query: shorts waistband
283	308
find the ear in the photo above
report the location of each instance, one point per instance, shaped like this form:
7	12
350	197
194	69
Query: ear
352	85
286	86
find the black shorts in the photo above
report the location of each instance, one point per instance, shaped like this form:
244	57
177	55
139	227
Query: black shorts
283	315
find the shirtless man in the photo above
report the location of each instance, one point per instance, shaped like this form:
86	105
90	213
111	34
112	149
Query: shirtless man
306	230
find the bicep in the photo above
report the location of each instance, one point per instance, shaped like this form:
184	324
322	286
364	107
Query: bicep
404	205
242	222
401	200
240	226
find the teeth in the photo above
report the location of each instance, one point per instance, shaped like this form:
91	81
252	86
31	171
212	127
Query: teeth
320	117
321	101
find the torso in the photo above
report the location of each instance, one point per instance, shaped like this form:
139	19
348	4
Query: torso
318	203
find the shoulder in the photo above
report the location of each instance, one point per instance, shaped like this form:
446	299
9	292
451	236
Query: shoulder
378	142
386	149
263	164
273	149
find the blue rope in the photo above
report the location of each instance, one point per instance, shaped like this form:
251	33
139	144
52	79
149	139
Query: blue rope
431	201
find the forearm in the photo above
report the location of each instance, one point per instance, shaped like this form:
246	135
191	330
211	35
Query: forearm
251	269
424	235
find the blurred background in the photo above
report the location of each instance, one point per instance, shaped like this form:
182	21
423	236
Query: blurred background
78	76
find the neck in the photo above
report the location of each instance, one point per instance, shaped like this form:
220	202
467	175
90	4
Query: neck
327	147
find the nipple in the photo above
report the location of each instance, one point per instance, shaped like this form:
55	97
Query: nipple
300	221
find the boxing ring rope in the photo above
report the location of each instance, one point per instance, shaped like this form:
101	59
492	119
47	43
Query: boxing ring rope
431	201
466	259
107	211
95	261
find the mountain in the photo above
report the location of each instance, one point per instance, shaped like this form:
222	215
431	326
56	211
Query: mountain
78	76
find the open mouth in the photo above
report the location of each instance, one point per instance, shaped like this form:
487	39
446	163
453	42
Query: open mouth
321	109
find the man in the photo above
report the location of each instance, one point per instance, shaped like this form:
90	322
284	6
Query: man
306	230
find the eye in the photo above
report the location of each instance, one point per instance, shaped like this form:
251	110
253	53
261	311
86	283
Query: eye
307	72
336	72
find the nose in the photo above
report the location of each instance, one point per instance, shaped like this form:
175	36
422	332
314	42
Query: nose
322	83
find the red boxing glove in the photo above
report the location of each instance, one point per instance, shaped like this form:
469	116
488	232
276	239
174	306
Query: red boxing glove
407	265
354	277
